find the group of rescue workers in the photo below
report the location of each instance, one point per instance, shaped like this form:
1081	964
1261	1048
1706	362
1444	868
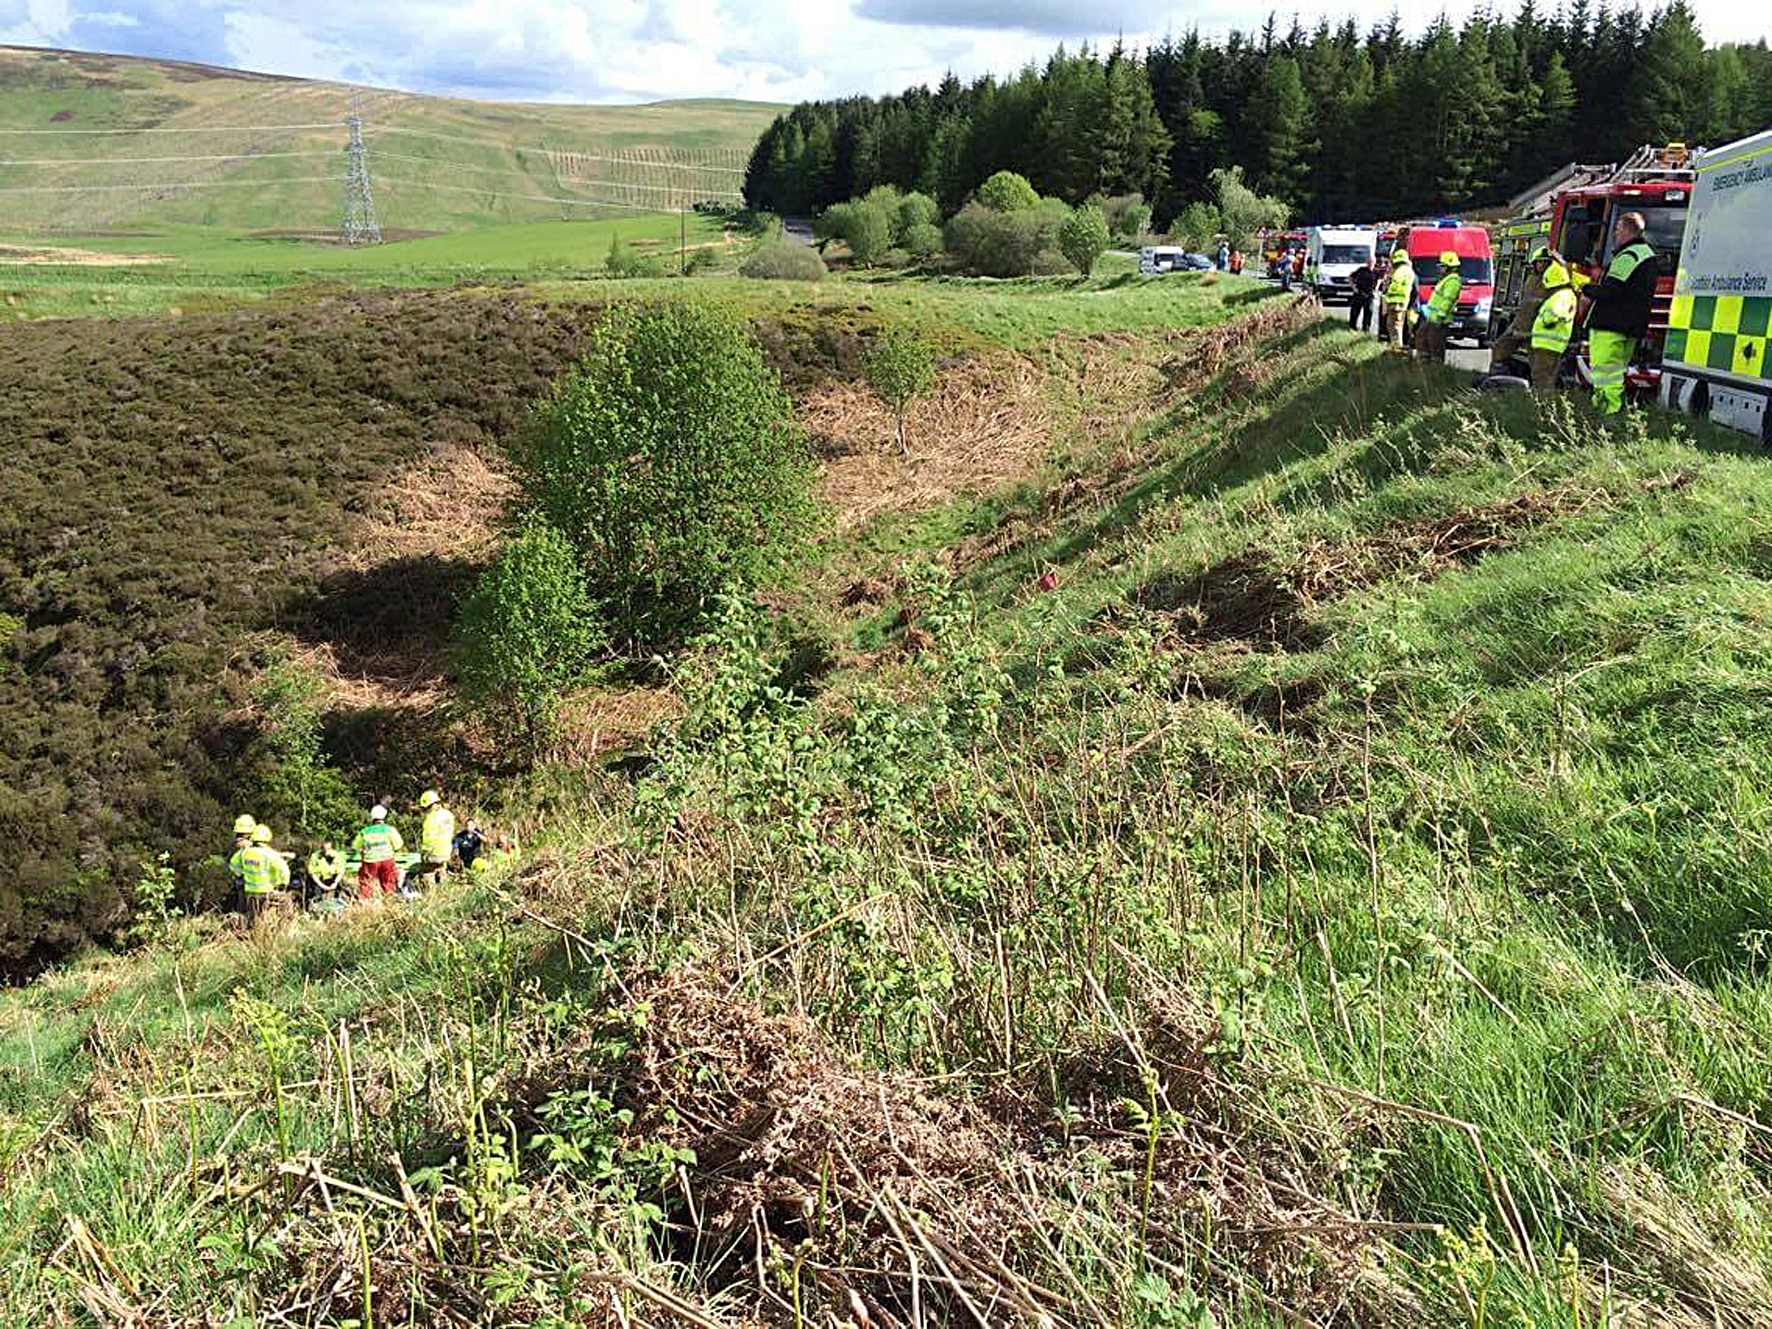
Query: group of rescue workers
263	877
1557	301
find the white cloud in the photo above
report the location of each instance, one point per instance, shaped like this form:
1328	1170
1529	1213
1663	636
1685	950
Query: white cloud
632	50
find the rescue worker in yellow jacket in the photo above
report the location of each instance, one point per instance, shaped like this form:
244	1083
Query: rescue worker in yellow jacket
436	841
244	825
262	871
1552	328
1517	336
1399	294
1616	311
1442	306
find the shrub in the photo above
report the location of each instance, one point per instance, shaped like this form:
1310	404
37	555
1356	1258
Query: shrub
700	260
923	240
1007	192
1128	217
298	790
624	262
784	260
671	462
895	258
1197	225
1242	211
901	369
526	632
832	224
868	231
1048	263
1083	238
1005	244
915	210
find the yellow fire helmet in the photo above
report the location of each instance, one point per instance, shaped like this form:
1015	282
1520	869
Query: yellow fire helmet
261	834
245	824
1400	255
429	799
1540	254
1448	259
1555	275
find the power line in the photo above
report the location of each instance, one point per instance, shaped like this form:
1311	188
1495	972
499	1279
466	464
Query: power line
530	198
512	147
508	170
126	161
184	129
172	184
360	225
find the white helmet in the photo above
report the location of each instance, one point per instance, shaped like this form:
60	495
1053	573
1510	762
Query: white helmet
378	813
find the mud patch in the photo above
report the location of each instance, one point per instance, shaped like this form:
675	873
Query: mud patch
17	256
1238	599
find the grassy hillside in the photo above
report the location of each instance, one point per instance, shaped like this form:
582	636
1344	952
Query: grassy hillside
308	478
1294	855
437	162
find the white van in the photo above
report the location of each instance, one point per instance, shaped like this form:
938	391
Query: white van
1331	255
1719	326
1153	259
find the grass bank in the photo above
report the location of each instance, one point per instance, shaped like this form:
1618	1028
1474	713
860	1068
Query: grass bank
1301	860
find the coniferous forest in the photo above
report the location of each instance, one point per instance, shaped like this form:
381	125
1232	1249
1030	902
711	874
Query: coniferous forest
1339	122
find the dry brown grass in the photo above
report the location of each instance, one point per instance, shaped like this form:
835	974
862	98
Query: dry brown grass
987	424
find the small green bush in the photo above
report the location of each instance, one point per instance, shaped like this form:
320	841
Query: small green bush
700	260
1005	244
670	460
526	632
869	231
784	260
1049	263
915	210
624	262
1128	216
901	369
923	240
1084	238
1007	192
895	259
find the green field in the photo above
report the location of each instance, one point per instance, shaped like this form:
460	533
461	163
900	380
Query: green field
1291	850
251	161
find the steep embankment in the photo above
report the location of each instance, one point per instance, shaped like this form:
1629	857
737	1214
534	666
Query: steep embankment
1313	868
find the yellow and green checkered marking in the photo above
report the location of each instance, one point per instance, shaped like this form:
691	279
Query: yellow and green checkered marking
1728	333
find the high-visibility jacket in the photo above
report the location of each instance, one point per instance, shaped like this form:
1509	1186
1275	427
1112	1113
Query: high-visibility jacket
378	842
1622	298
261	869
438	837
1444	301
326	868
1555	323
1400	289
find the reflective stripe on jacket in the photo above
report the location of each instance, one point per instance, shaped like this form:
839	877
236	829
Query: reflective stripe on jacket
378	843
1555	322
438	838
261	869
1444	302
1401	287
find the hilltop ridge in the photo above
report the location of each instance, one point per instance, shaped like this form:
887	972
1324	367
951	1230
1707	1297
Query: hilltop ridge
266	150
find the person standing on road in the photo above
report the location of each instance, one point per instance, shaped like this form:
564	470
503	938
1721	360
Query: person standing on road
1224	256
1616	310
376	845
1359	309
1436	319
1552	328
1399	294
1520	329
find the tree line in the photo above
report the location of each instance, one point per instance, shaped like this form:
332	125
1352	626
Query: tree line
1338	123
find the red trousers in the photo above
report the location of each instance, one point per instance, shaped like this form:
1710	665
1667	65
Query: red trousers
386	872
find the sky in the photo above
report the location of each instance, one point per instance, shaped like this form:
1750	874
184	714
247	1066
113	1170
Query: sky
644	50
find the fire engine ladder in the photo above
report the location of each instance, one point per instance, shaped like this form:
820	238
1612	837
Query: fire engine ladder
1673	162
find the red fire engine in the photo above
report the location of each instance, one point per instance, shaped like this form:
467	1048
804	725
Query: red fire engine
1574	212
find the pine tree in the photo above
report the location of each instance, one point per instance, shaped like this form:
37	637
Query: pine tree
1667	90
1276	119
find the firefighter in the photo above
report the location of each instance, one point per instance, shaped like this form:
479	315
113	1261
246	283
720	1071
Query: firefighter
1552	327
262	872
1518	334
1399	294
1442	305
1616	311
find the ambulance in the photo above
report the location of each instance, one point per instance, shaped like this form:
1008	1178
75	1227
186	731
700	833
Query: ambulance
1720	322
